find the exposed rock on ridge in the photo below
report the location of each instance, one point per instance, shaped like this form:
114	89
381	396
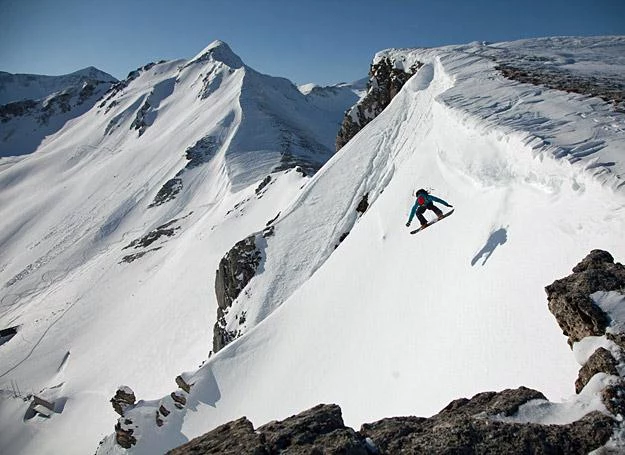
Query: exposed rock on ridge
236	269
317	431
385	81
570	301
579	316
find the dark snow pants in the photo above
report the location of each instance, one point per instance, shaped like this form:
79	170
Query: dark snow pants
430	206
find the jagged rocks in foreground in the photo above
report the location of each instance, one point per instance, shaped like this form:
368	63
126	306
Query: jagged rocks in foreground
316	431
464	426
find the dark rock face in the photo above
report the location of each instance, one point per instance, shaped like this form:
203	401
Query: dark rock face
570	301
319	430
168	191
266	181
236	269
578	316
160	234
124	430
600	362
467	426
363	205
124	398
477	435
233	438
385	81
198	154
183	384
463	427
140	123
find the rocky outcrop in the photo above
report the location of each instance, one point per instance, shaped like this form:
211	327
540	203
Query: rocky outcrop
124	430
123	399
160	234
385	81
236	269
464	426
577	314
140	123
319	430
601	361
570	301
198	154
233	438
473	426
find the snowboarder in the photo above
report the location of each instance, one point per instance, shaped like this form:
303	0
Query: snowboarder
425	201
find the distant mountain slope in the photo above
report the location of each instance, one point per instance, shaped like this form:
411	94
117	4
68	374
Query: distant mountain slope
33	106
117	223
21	87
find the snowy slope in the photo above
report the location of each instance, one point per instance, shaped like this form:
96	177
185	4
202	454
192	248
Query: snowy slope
111	232
391	324
384	324
33	106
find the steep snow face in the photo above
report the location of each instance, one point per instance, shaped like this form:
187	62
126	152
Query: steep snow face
385	323
33	107
111	232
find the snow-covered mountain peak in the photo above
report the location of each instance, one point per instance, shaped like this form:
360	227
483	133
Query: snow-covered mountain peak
218	51
91	72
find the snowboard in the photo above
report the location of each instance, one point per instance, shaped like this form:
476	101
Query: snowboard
445	215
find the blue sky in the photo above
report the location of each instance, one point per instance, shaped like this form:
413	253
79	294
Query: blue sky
320	41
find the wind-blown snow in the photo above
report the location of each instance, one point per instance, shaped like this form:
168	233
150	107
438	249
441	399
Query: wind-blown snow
382	323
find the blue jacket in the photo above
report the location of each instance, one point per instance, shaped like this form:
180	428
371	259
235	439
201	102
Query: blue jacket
428	200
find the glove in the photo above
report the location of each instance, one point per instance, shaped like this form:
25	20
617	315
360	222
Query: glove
408	224
450	206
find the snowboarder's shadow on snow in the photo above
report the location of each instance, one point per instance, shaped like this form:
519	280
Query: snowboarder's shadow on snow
498	237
